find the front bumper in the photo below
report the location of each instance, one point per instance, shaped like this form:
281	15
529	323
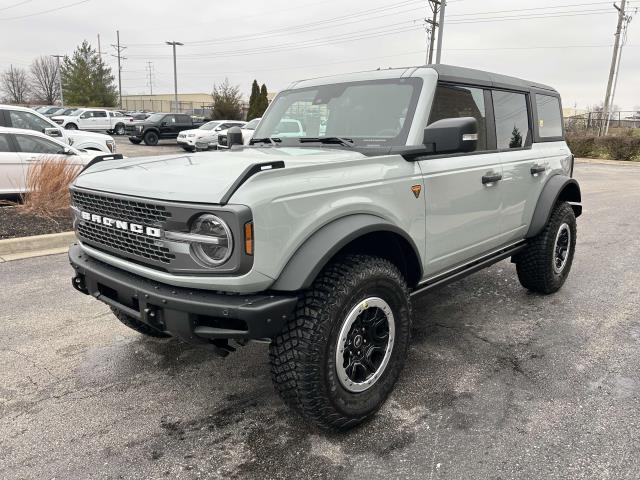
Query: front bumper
196	316
191	142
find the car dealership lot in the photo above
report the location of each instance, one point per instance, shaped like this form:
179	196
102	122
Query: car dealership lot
499	383
128	149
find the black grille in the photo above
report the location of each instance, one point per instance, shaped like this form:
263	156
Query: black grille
129	242
120	209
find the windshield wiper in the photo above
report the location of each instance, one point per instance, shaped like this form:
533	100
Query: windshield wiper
345	142
271	140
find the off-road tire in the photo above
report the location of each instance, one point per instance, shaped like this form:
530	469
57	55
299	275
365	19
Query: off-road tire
303	355
71	126
137	325
535	265
189	149
119	130
151	139
135	141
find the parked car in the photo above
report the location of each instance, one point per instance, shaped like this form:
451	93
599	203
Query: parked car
19	149
50	112
21	117
97	119
318	243
160	126
207	135
247	133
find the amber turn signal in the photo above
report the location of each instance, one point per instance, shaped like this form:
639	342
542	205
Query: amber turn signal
248	238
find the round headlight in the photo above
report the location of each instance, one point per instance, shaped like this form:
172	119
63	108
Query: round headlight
216	242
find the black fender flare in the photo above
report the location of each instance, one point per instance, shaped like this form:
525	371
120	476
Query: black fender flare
558	187
311	257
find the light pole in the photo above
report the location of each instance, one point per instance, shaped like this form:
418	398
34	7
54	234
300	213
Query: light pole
58	57
175	71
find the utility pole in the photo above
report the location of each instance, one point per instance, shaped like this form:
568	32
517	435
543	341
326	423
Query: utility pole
443	4
626	21
175	71
612	70
99	48
431	29
119	49
58	57
150	68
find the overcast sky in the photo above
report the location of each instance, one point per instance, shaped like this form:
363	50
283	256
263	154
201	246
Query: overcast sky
282	40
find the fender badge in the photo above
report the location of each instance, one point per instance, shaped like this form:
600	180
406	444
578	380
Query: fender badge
416	189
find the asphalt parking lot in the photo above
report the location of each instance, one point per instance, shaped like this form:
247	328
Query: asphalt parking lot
128	149
499	383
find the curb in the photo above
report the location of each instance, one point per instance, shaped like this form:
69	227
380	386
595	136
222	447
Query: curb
602	161
36	246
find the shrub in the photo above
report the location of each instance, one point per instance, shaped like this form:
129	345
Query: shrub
612	147
47	185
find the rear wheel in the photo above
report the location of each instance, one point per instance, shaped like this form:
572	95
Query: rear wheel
137	325
151	138
544	265
338	360
71	126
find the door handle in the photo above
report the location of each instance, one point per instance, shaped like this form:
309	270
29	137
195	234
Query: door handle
490	178
536	169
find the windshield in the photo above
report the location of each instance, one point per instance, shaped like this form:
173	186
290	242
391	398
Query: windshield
252	124
209	126
371	113
156	117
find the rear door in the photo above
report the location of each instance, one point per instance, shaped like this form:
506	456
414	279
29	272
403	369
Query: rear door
12	169
463	191
100	120
526	162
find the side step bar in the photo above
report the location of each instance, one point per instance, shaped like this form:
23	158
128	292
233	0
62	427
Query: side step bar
469	268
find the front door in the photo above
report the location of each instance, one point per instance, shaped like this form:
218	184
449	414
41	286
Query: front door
167	126
12	170
463	192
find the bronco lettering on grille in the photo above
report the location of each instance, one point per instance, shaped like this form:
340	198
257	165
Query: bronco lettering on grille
122	225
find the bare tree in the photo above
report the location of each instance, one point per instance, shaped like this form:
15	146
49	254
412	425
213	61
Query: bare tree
15	85
44	80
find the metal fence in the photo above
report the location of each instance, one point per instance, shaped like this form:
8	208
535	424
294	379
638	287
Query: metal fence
593	122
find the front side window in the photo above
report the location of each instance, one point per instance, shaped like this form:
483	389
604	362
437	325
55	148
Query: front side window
455	101
512	120
549	116
29	144
370	113
86	115
28	121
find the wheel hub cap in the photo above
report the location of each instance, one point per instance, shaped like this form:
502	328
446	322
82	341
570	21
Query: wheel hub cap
561	248
365	344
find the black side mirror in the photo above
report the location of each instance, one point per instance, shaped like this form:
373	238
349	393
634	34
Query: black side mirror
234	136
163	124
52	132
452	135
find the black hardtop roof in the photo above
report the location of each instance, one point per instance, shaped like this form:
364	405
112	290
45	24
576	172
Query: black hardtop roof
450	73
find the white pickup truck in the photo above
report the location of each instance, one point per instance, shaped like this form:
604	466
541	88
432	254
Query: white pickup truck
12	116
94	119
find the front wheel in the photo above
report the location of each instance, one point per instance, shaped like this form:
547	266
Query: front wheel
338	360
151	138
119	130
544	265
71	126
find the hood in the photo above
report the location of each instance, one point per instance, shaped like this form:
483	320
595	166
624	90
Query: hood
84	135
197	132
202	177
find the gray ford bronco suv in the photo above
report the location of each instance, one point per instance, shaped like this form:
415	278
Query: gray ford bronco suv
316	241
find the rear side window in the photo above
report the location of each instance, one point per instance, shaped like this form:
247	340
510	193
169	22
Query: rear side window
549	116
512	120
452	101
4	143
99	114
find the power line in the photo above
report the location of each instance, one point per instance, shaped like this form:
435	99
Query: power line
46	11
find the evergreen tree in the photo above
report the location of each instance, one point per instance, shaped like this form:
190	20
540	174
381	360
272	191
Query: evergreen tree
86	80
253	101
263	101
516	138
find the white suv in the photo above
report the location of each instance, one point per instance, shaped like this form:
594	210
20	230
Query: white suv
206	135
26	118
94	119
